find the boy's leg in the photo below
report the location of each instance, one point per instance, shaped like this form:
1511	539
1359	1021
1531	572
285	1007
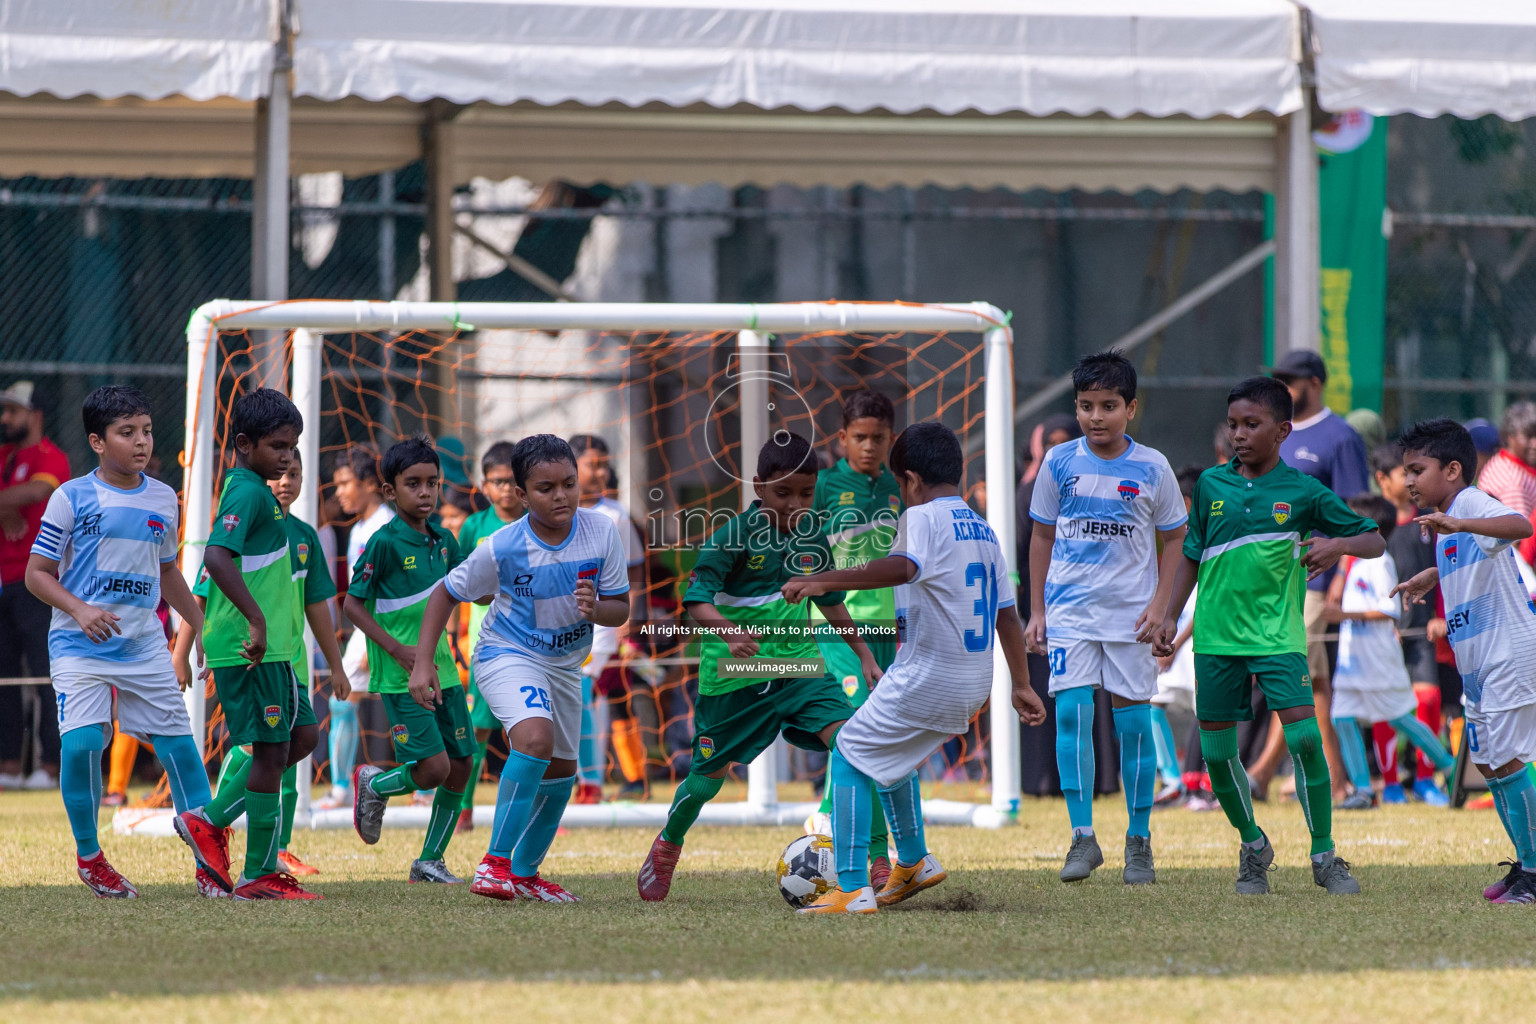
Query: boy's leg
1167	751
228	801
515	794
1515	799
456	732
1427	696
1352	748
342	742
1384	743
851	793
844	668
184	770
290	792
590	770
1218	744
692	794
263	808
80	782
1074	754
1427	743
1314	788
533	846
1138	764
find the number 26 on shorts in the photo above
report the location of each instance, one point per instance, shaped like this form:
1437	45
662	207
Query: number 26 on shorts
537	697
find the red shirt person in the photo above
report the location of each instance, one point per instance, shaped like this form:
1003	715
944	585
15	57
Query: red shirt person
1510	475
31	468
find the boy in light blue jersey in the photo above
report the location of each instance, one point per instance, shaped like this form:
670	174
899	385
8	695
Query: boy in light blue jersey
1101	505
551	576
104	556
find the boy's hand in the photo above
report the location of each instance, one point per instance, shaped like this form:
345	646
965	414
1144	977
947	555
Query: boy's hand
1164	661
1439	522
871	670
1148	624
1333	612
423	686
254	648
586	598
1034	633
742	643
406	656
1162	640
800	588
1436	628
1416	588
341	686
182	665
98	624
1027	703
1322	554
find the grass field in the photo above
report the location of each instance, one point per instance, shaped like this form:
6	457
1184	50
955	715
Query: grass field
1002	938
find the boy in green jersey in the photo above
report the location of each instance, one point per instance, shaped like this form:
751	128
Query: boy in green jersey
734	593
250	633
500	488
1251	544
434	740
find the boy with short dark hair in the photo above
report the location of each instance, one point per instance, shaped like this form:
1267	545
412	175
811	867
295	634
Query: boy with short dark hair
1492	628
1250	522
430	726
735	594
104	555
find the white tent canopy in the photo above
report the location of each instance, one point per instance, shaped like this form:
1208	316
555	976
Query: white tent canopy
1426	57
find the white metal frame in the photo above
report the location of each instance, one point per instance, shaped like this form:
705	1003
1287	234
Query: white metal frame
310	320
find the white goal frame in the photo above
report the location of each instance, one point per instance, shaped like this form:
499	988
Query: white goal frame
310	320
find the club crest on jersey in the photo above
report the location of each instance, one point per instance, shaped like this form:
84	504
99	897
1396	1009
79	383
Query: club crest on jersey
895	501
1450	551
1129	491
587	571
401	734
807	563
367	573
706	748
156	527
303	550
272	714
230	522
1281	513
850	686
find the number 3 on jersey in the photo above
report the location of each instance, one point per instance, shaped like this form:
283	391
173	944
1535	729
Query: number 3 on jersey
984	576
538	697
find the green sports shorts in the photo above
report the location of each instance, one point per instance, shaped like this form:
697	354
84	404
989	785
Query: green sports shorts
480	714
263	704
843	664
735	727
1224	688
418	733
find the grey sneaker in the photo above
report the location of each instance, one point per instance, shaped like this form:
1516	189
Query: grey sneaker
1082	858
1253	869
367	806
433	871
1138	861
1332	873
1358	800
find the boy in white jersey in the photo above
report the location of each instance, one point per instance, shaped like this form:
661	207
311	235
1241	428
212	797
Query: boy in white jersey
104	555
553	574
1101	504
954	599
1491	624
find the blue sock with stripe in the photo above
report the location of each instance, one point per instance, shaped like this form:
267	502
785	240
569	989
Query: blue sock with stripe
903	804
586	748
183	770
1167	750
1074	753
548	806
343	741
1138	764
1424	741
1352	750
1515	798
851	797
514	801
80	783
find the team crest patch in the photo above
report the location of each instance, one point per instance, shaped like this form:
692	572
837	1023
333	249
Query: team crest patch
230	522
755	562
271	714
156	527
850	685
367	573
807	563
303	550
587	571
1129	491
1281	513
706	748
895	501
1450	551
401	734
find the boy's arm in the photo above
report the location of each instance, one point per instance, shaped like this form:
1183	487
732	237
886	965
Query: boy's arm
220	563
1323	553
357	610
424	686
1024	698
1184	577
878	574
1505	527
318	614
741	641
1416	588
42	579
181	648
1151	619
1042	541
602	611
837	616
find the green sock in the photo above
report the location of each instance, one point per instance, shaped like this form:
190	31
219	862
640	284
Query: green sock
290	792
474	776
229	802
1229	781
445	812
261	813
1314	789
879	840
692	795
394	782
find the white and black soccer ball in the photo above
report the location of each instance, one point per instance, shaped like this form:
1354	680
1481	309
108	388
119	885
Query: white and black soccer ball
805	870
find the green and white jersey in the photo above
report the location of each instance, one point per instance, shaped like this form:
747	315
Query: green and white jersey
858	513
740	570
1246	535
478	529
396	574
250	524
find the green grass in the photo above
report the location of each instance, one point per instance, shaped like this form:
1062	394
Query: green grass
1002	937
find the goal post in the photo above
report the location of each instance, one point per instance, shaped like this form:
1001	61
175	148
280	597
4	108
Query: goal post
297	331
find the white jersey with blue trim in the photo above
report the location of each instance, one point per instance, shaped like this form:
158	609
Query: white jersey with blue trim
1370	654
534	613
1106	513
110	544
1490	617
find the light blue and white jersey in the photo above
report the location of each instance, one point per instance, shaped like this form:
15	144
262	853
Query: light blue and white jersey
534	613
1106	514
1490	618
110	545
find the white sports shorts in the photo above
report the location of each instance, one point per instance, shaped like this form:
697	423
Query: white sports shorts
1372	705
149	703
1495	738
885	749
1125	669
518	688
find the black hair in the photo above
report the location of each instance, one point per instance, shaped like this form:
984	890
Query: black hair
1385	458
459	498
1443	439
583	443
362	460
536	450
868	405
1223	442
1377	509
402	455
498	454
932	451
1188	476
785	454
262	413
110	403
1105	371
1265	391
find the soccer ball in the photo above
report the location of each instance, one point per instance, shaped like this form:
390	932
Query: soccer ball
805	869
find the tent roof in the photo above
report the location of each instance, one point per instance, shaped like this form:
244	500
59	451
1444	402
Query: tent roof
1426	57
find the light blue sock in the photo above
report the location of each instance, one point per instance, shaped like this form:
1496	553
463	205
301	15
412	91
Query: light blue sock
903	805
1352	749
1138	764
530	849
80	782
1424	741
851	797
514	801
1515	798
1074	753
343	736
586	747
1167	751
183	770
